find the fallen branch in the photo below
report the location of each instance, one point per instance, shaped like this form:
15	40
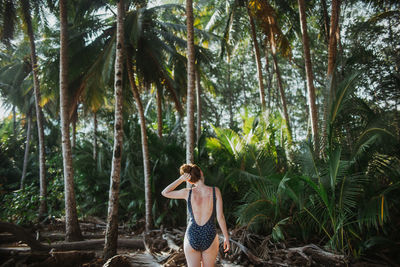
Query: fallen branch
22	234
313	252
170	241
254	259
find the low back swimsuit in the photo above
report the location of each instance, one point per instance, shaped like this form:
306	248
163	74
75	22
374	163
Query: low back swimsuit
201	236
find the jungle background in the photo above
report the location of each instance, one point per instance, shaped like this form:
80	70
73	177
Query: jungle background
298	124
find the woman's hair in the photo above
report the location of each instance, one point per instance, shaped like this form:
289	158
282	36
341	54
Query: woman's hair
193	170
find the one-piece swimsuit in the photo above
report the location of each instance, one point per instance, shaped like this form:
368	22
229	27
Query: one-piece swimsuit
201	236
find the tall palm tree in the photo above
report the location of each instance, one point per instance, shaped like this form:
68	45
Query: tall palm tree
282	93
145	149
332	49
190	83
110	248
309	75
266	16
258	60
9	18
73	231
39	114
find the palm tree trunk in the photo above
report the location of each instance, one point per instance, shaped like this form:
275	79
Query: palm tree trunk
14	121
331	69
283	96
72	232
230	94
309	75
269	76
159	113
326	20
95	137
39	114
145	150
333	38
198	98
73	133
258	61
26	155
190	83
111	239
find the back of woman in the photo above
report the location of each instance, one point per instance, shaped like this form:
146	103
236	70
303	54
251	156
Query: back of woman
204	204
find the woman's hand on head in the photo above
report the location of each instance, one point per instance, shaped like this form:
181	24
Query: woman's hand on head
185	177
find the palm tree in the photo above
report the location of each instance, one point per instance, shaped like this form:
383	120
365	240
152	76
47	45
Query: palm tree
9	18
266	16
145	150
332	48
39	114
110	247
73	231
309	74
190	83
282	93
258	60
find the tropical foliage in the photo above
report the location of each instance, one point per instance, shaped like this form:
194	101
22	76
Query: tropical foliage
338	188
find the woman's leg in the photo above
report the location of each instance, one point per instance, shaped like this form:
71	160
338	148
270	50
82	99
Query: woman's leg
193	257
210	255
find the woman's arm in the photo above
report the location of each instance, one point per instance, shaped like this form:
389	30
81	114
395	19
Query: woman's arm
169	191
221	220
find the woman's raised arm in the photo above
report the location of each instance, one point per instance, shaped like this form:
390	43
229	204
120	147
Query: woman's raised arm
169	191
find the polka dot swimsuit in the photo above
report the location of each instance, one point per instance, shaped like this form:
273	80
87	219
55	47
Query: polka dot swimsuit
201	236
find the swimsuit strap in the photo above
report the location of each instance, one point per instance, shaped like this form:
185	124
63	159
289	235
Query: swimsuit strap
189	203
214	201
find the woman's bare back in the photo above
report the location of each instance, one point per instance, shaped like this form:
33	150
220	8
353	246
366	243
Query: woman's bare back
202	204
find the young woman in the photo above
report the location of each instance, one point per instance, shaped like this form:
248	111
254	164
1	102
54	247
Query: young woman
204	203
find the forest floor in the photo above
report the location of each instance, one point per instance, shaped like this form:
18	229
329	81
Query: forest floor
162	247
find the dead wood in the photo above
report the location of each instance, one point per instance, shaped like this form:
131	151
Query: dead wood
254	259
312	252
22	234
96	244
171	244
47	237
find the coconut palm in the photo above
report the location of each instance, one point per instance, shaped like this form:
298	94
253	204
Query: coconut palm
190	83
39	118
309	74
266	16
9	19
258	60
72	231
330	77
110	248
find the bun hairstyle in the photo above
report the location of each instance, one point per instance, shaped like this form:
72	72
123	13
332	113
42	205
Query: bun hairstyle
193	170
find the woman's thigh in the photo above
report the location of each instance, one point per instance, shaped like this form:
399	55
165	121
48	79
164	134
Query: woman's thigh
193	257
210	255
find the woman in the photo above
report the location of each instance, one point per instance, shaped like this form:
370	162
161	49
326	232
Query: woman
204	203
